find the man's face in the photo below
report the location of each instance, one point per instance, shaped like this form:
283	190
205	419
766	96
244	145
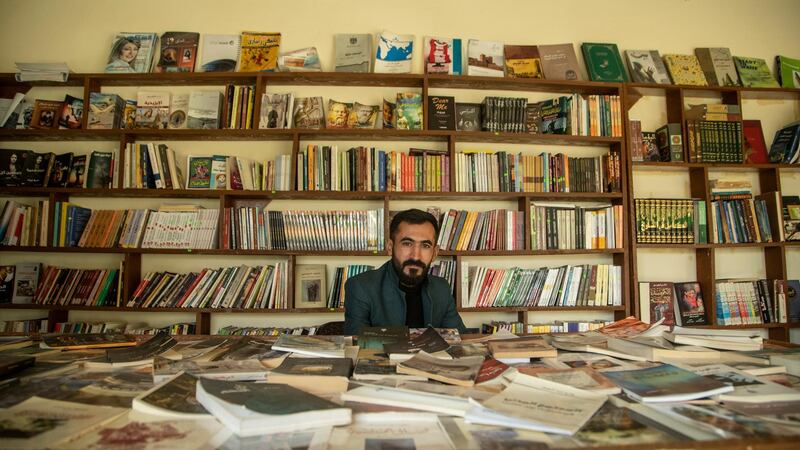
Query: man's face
413	250
363	115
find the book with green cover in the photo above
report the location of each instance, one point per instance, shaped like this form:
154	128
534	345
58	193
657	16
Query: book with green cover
754	72
603	62
788	71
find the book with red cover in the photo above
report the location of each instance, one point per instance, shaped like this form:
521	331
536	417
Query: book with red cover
755	148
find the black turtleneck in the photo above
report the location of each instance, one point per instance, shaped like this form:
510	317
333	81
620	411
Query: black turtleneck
414	316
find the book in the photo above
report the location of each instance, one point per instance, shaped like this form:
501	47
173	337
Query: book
582	379
178	51
77	172
442	55
658	349
60	171
485	58
275	110
604	62
308	113
784	148
86	341
99	175
788	70
754	72
363	116
527	347
353	52
250	409
220	52
46	114
36	168
691	308
375	338
152	109
650	146
132	53
178	111
259	51
657	302
441	113
408	398
105	111
745	388
198	169
718	67
138	355
71	113
755	147
592	342
460	372
302	60
669	140
11	364
430	341
559	62
338	113
468	116
408	112
320	346
394	53
685	70
319	376
388	114
666	383
174	398
310	285
646	66
26	280
522	61
204	110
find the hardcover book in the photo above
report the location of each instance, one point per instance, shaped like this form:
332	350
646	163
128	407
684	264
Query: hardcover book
685	70
468	116
559	62
338	113
485	58
363	116
71	113
132	53
310	285
178	51
394	53
522	61
441	113
646	66
442	55
353	52
408	113
46	114
754	72
717	65
259	52
220	52
755	148
308	113
603	62
788	70
692	310
657	302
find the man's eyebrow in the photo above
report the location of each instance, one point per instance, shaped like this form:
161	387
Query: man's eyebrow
424	241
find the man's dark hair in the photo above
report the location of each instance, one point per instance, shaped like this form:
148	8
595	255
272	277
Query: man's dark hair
415	217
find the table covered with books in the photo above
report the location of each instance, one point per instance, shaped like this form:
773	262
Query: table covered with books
628	384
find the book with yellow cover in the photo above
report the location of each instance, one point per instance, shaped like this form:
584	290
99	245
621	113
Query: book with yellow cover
259	52
685	70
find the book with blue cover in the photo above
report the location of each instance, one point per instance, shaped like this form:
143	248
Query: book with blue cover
666	383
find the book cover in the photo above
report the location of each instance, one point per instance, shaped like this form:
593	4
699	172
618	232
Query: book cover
527	347
129	114
331	367
408	112
46	114
559	62
788	70
669	140
441	113
485	58
105	111
71	113
60	171
302	60
604	62
219	172
204	110
646	66
442	55
310	288
522	61
7	274
685	70
274	109
152	109
25	283
612	425
388	114
353	52
199	170
77	172
665	383
650	146
689	298
36	165
132	53
468	116
363	116
754	72
460	372
755	147
338	113
322	346
99	173
791	217
178	111
429	341
661	302
793	300
394	53
785	144
718	67
308	113
259	52
178	51
220	52
137	430
87	341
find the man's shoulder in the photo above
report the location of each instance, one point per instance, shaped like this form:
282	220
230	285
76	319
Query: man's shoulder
368	278
438	285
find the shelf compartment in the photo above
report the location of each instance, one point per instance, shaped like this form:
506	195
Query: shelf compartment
712	166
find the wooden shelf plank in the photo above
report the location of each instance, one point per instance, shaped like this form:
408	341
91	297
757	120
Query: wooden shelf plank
542	308
164	310
725	166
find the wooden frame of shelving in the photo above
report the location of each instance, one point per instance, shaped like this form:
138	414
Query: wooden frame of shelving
95	83
769	175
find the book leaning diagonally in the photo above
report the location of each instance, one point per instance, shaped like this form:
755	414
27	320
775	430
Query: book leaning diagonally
524	407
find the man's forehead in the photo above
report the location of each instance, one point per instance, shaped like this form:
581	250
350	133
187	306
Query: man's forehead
416	232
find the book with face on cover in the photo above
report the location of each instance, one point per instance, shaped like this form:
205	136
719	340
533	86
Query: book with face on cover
461	371
363	116
338	113
132	53
178	51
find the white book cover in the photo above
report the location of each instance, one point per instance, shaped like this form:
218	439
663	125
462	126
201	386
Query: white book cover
178	111
485	58
394	53
220	52
353	52
379	431
746	388
26	279
204	109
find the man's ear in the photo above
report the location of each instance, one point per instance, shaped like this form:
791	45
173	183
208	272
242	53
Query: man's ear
435	252
389	245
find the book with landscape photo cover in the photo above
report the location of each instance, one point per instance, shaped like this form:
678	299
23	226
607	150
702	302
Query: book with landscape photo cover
461	371
375	337
485	58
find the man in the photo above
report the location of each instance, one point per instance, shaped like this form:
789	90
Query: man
401	292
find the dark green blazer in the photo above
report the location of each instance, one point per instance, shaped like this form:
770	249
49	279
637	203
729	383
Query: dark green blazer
374	299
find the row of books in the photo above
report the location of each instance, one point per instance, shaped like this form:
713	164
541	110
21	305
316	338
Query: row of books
254	227
749	302
174	329
233	330
243	287
670	221
341	275
576	115
446	269
88	327
24	225
497	229
740	220
239	104
23	326
569	226
714	141
557	326
29	168
88	287
508	172
584	285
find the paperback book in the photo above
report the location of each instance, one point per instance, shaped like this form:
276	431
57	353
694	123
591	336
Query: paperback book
522	61
646	66
460	372
132	53
178	51
308	113
754	72
408	112
666	383
559	62
353	52
259	52
394	53
442	55
717	65
485	58
220	52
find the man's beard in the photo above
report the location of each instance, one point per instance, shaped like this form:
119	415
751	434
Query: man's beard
410	280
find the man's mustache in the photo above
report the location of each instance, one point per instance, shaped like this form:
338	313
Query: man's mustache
412	262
